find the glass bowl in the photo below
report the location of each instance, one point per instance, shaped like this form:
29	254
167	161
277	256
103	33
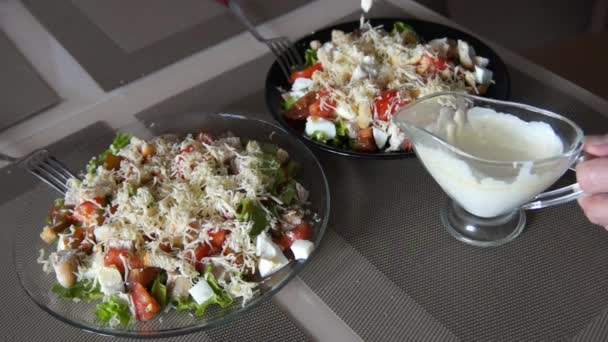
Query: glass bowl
37	284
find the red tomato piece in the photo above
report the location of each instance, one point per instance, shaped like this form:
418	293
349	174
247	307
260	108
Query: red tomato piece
387	104
194	256
187	149
146	307
299	110
323	107
303	231
365	141
441	63
305	73
431	64
114	257
143	276
87	212
217	238
284	241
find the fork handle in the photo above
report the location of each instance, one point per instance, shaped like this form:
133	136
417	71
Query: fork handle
235	8
7	158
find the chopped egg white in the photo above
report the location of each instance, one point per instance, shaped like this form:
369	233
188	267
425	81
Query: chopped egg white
301	249
110	280
318	124
380	137
265	248
201	292
268	266
483	75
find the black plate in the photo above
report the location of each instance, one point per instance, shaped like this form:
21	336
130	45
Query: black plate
275	80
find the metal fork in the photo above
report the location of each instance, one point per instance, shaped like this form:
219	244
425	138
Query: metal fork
286	53
47	168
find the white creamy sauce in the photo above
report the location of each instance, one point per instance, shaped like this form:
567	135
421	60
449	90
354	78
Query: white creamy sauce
366	5
486	190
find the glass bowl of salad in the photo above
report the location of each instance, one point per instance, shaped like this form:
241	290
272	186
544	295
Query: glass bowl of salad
182	224
357	74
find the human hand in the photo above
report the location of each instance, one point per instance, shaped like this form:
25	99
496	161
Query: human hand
592	175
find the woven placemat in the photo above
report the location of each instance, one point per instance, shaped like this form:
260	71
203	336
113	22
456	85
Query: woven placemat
389	269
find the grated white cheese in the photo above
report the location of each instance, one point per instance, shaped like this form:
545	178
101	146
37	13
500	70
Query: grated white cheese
185	191
357	68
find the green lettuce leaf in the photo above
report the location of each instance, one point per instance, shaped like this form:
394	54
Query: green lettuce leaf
113	307
289	101
310	57
220	297
83	290
289	193
248	210
318	136
159	289
120	140
400	27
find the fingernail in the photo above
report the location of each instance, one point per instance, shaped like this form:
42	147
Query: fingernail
597	140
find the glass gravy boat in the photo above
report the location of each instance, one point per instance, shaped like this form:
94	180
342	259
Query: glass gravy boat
491	166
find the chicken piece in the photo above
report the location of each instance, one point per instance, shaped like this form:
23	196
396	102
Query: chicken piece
48	235
365	115
339	37
65	265
177	285
148	150
466	54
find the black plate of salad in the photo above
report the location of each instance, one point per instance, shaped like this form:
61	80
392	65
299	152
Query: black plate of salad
357	75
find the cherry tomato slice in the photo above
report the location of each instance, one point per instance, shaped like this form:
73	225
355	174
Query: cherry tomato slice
303	231
299	110
194	256
88	212
323	107
146	307
114	257
387	104
217	238
305	73
143	276
365	141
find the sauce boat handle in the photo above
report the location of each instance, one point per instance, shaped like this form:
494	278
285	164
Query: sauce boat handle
557	196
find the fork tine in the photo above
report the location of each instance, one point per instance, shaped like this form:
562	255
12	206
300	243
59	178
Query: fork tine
49	179
48	166
61	168
296	53
292	52
277	53
286	53
48	169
